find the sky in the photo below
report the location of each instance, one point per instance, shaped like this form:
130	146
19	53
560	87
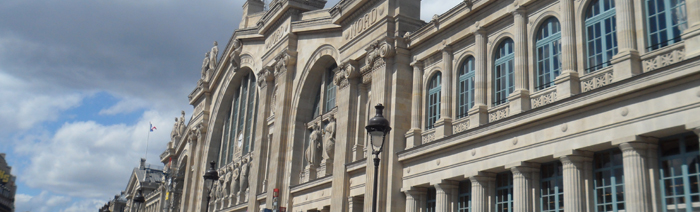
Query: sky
80	81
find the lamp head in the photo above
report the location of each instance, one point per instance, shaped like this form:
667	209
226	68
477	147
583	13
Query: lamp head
378	127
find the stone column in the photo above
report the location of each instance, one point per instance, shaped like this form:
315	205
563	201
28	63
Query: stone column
482	186
691	36
637	187
519	100
443	195
626	63
359	148
415	198
443	126
524	176
478	115
573	163
265	79
413	136
567	82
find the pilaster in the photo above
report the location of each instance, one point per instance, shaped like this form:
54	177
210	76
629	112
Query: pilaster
482	186
478	114
355	204
519	100
627	62
524	176
567	82
443	126
413	136
573	165
637	188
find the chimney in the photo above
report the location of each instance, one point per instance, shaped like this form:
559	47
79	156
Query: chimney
251	7
143	163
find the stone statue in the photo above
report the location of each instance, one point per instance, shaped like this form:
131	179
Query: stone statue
175	134
329	138
182	124
244	175
221	188
227	184
235	184
314	145
212	56
205	65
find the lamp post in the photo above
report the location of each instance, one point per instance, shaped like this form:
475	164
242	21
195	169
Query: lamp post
138	199
377	128
209	177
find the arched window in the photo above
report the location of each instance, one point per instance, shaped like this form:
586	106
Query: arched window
666	21
503	81
601	36
238	127
433	100
466	87
548	53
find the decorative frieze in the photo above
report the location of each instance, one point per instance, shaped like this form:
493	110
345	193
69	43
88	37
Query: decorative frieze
499	113
664	58
597	80
428	137
460	126
543	98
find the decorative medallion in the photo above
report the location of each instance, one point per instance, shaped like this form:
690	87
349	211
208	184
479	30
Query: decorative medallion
564	127
437	162
624	111
473	152
515	140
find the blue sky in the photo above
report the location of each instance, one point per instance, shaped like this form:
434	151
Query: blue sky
80	81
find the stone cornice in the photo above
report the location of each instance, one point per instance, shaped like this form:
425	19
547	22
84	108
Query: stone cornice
312	184
284	8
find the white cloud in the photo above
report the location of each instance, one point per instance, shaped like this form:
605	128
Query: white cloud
44	202
432	7
87	205
91	160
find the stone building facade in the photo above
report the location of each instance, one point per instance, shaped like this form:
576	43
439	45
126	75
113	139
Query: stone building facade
495	105
8	188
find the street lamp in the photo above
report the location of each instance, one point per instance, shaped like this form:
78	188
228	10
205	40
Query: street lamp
377	128
138	199
209	177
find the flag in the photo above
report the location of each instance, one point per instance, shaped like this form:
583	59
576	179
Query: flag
152	127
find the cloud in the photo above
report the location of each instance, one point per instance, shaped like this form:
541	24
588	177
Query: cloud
44	202
91	160
88	205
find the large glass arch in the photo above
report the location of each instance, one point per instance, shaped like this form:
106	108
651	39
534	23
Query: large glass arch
238	130
548	50
433	101
466	87
601	34
503	76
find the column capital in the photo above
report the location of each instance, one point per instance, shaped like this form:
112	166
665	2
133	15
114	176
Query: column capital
446	47
445	185
523	167
414	191
417	64
574	156
481	177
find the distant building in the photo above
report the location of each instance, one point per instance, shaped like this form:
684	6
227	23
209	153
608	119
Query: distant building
7	186
149	179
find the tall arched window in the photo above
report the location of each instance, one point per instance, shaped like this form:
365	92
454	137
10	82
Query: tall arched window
666	21
601	36
548	53
433	100
466	87
238	127
503	81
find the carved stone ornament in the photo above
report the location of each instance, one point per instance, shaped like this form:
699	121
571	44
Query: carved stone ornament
344	73
314	145
329	138
376	54
265	75
601	79
283	61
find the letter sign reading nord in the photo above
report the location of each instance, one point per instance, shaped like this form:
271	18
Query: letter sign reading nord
363	23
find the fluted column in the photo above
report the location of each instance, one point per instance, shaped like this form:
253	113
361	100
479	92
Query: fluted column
413	136
524	175
627	62
443	195
482	184
691	36
635	155
573	167
443	126
519	100
567	82
415	197
478	114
